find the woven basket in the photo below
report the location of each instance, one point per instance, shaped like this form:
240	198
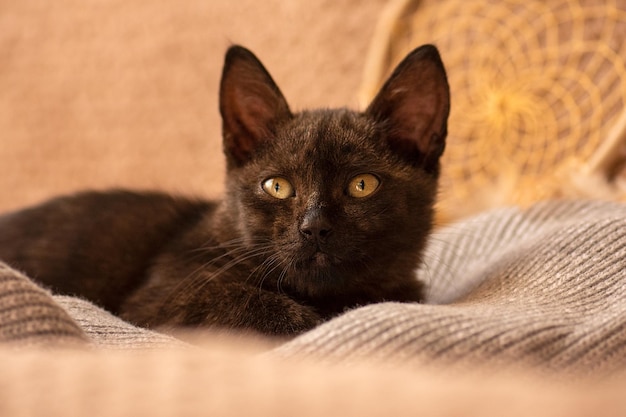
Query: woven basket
538	95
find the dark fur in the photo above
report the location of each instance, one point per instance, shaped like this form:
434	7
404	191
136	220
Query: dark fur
252	261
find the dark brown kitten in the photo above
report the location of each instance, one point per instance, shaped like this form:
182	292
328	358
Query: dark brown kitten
324	210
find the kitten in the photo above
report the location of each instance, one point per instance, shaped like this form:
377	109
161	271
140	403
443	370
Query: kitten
324	210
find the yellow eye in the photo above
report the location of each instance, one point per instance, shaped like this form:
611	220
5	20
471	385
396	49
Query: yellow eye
363	185
278	187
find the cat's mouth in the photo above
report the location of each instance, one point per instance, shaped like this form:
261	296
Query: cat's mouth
319	259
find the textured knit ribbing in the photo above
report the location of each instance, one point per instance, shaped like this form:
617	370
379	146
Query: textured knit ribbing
109	332
29	315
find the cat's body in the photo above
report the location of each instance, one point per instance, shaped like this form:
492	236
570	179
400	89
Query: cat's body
324	210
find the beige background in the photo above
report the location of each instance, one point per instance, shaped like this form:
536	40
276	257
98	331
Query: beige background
118	93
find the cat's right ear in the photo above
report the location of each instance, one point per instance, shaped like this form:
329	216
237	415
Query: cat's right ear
251	105
413	108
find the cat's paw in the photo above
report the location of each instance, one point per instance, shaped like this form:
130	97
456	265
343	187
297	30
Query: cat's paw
248	308
273	314
232	306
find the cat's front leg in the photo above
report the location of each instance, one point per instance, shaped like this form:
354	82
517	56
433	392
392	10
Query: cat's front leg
223	305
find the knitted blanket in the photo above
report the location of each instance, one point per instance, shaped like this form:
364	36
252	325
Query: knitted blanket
543	286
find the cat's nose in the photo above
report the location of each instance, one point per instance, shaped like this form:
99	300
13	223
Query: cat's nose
315	227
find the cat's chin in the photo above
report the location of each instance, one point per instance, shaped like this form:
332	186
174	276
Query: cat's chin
321	260
318	274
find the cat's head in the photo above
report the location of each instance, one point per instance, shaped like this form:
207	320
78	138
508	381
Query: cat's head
339	203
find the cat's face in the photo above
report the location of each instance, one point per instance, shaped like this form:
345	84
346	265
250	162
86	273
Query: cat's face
336	200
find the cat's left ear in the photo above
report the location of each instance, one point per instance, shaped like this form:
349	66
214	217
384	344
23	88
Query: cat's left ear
251	105
413	107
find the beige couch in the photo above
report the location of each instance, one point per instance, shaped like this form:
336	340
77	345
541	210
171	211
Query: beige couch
96	95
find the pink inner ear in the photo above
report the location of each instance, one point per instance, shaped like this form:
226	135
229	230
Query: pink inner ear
250	104
414	104
245	124
412	123
249	122
256	115
415	121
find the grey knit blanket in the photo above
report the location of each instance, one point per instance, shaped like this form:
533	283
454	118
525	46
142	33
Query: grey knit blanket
543	286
